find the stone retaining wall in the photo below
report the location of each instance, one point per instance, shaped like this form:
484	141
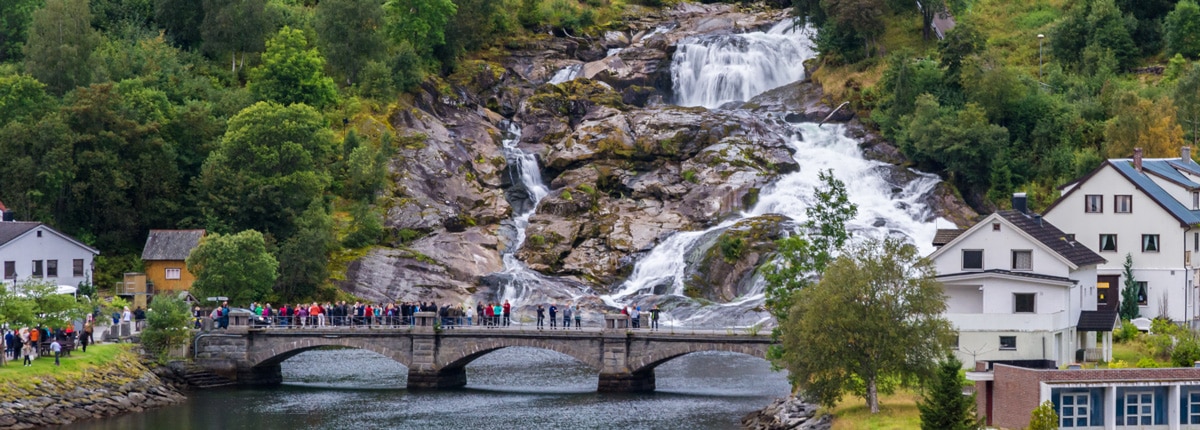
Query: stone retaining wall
121	388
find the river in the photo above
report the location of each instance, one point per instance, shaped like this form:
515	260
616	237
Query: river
521	388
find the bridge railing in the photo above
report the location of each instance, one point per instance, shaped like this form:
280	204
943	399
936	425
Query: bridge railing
517	322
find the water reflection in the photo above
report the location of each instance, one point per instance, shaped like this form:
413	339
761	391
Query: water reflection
510	388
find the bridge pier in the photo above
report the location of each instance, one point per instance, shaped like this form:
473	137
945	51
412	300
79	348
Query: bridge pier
435	379
261	375
640	382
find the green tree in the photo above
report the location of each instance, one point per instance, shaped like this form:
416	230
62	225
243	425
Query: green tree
15	16
167	325
1097	26
61	40
268	169
961	143
350	34
863	17
1043	417
304	257
1182	27
237	266
1142	123
1187	102
291	72
234	26
22	96
182	20
873	321
420	22
943	405
16	310
50	308
800	258
1129	295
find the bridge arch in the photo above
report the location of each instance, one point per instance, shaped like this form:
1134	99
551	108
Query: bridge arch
647	361
275	351
459	358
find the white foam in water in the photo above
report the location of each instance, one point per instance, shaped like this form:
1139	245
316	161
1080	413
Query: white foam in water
712	70
531	177
820	149
566	74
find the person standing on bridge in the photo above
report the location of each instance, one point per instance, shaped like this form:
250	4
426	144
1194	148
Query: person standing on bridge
578	317
541	315
636	317
654	317
507	313
553	315
567	317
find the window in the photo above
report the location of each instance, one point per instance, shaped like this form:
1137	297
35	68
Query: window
77	268
1093	203
1008	343
1195	200
51	268
995	226
972	259
1143	293
1075	410
1023	303
172	273
39	233
1193	408
1149	243
1108	242
1022	260
955	345
1139	408
37	269
1123	204
10	270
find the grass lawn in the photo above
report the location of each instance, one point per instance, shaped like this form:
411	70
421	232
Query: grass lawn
14	374
897	411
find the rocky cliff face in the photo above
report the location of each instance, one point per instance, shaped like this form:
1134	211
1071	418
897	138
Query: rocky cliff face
625	171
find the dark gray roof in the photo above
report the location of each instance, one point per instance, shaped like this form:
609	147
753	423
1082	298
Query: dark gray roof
10	230
1011	273
170	244
1046	233
945	235
1097	321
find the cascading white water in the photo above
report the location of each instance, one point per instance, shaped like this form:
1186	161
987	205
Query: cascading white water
715	69
526	173
566	74
820	148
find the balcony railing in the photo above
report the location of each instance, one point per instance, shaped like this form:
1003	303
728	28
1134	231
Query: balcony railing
131	288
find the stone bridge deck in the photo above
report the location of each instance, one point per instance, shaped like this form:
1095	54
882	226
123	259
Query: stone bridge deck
624	358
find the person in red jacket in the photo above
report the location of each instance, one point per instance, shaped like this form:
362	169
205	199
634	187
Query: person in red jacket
507	313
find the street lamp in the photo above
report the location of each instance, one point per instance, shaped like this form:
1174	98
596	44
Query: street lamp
1041	37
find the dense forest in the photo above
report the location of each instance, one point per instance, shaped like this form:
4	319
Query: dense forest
119	116
1018	96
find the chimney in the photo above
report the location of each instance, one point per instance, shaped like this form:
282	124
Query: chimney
1185	154
1137	159
1019	203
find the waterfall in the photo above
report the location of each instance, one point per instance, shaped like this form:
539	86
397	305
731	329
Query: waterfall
883	210
528	177
712	70
566	74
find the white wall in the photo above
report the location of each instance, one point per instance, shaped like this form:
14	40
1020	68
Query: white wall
985	345
24	250
998	247
1147	218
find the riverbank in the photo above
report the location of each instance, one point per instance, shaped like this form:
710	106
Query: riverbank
792	413
106	381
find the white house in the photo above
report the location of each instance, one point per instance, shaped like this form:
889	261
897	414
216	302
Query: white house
1018	289
1148	209
34	251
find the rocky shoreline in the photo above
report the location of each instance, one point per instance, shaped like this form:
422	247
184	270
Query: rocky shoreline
120	388
787	414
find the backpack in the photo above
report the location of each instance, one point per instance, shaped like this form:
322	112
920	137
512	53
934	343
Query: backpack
216	313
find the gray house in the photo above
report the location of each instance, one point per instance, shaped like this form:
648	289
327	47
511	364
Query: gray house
32	251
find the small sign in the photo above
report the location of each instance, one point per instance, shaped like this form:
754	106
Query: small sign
217	299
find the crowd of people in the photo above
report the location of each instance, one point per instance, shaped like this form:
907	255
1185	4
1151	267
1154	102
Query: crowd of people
29	343
490	315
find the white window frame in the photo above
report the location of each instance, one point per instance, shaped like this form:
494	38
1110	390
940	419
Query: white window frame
1014	259
1142	411
1128	206
1098	199
1193	408
963	261
1081	410
177	272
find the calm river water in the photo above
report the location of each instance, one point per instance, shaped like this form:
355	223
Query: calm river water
513	388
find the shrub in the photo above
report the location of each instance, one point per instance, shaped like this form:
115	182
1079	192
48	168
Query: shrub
1127	332
731	247
166	326
1043	417
1186	351
1164	326
1146	363
690	176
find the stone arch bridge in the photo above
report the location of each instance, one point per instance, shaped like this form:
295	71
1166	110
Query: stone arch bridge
624	358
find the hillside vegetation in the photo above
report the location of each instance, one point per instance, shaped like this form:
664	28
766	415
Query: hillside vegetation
996	109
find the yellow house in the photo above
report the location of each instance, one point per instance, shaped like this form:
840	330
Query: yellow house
164	258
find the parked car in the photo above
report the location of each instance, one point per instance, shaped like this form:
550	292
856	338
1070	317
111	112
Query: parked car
243	316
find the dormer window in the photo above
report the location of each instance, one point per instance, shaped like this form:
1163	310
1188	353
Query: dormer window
972	259
1093	203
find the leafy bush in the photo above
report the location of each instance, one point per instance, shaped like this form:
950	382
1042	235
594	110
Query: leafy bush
166	325
1118	364
1127	332
1159	345
1146	363
690	176
1164	326
731	247
1186	351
